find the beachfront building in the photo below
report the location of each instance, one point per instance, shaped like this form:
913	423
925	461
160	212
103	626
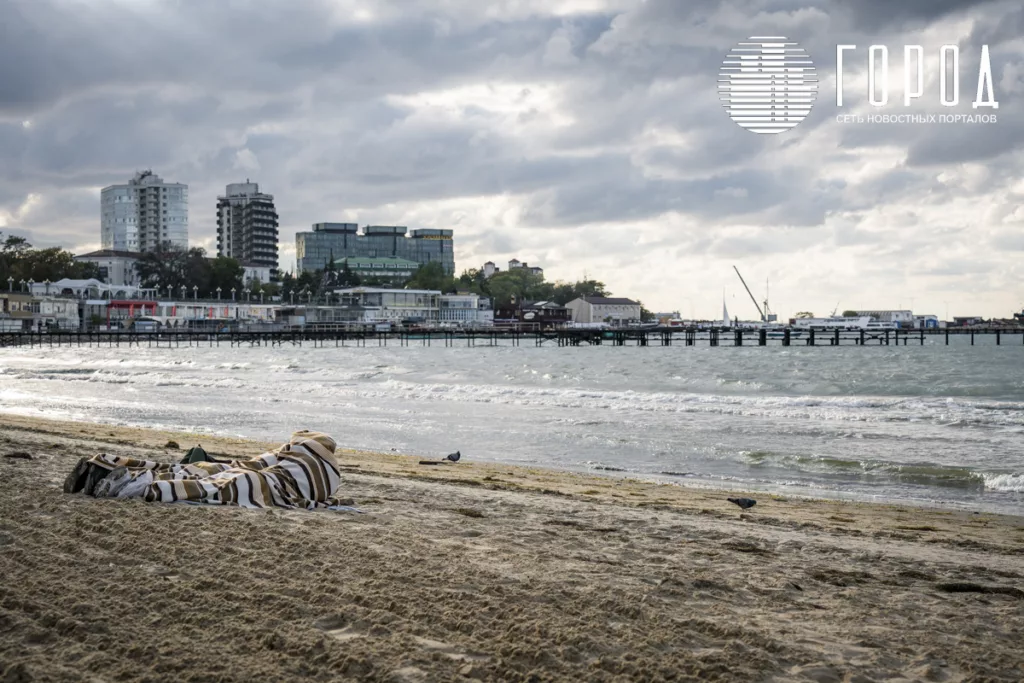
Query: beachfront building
15	311
903	318
49	312
386	269
490	269
146	214
317	316
668	318
926	321
247	227
532	314
256	273
186	314
116	267
465	310
597	309
392	305
516	263
332	241
89	289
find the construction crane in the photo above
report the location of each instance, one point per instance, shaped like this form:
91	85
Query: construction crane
763	313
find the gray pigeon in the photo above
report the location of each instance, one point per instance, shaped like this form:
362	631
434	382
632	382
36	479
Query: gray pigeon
454	457
745	503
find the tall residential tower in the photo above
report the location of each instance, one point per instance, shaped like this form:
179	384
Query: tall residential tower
147	214
247	226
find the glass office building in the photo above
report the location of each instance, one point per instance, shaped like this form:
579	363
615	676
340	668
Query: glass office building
313	250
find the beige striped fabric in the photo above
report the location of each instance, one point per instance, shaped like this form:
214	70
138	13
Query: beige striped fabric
300	474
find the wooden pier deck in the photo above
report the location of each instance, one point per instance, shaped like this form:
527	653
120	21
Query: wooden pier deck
674	336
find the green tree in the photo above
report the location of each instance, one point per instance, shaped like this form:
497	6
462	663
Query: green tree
431	276
564	292
473	280
518	285
18	260
346	278
849	314
287	285
226	273
177	268
805	314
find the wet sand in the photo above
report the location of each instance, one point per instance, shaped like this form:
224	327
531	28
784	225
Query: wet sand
491	572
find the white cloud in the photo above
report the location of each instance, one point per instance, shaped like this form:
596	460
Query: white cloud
578	135
245	160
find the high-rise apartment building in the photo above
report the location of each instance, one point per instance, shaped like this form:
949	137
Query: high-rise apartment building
313	250
147	214
247	226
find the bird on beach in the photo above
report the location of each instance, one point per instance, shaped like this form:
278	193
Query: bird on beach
744	503
454	457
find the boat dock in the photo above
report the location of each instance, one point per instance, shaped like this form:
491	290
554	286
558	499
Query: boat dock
661	336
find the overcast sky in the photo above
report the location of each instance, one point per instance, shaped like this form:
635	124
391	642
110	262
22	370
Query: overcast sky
583	136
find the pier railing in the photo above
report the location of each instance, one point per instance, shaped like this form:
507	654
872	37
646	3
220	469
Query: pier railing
664	336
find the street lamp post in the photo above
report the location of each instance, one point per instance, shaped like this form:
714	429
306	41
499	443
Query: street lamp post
23	285
47	288
232	293
292	295
195	292
218	294
10	284
183	291
261	296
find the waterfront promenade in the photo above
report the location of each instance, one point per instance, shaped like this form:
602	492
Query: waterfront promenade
662	336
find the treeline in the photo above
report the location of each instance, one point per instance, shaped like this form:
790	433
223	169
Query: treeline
502	288
20	261
191	269
199	274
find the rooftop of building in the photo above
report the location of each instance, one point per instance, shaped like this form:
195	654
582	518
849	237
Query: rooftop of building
401	230
543	304
610	301
110	253
246	189
380	290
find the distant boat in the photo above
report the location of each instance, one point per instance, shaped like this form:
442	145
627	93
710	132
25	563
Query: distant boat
726	321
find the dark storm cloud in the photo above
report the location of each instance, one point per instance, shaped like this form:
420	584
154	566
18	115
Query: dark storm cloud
618	120
875	15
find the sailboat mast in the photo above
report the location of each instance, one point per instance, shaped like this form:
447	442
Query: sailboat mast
764	318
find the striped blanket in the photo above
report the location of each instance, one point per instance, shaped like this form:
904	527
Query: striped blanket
300	474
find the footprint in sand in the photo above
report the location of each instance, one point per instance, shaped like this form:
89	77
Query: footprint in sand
337	627
451	651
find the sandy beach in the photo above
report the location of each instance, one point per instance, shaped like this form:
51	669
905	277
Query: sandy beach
489	572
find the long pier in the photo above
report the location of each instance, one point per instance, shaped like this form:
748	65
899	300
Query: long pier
663	336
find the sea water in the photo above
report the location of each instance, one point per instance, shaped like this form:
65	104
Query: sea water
931	424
